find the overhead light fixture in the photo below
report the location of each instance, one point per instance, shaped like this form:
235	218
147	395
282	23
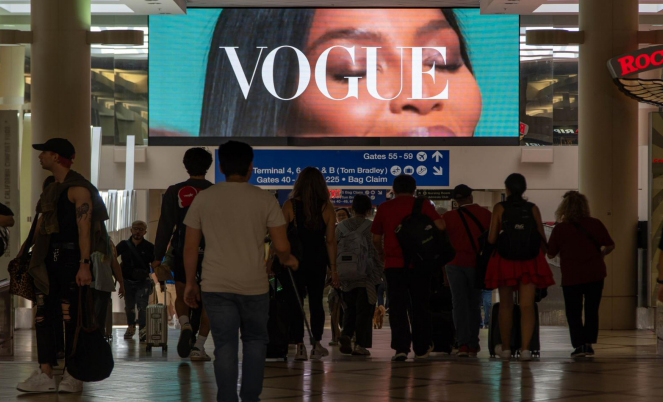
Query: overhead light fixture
94	8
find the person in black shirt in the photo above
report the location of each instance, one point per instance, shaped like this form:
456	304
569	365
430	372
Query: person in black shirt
137	254
70	228
171	230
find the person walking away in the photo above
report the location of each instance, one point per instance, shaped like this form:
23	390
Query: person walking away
136	254
171	230
106	272
70	229
170	293
334	298
408	287
359	295
464	226
313	214
519	263
582	242
235	284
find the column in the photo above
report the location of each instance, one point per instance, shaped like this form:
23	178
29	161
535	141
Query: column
60	89
608	148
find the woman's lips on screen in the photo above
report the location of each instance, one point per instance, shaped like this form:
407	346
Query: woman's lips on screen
434	131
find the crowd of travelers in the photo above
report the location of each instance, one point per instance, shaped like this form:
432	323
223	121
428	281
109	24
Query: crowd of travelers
210	266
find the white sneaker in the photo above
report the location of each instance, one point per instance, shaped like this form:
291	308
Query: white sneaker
505	354
70	385
360	351
425	355
318	352
38	382
177	324
525	356
198	355
301	355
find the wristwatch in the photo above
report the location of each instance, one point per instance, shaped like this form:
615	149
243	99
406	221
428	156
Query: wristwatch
85	261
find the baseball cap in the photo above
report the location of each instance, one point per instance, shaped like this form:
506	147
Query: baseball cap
461	191
60	146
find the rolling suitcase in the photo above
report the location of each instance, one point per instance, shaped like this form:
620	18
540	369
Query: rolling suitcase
108	329
495	338
157	325
443	331
278	325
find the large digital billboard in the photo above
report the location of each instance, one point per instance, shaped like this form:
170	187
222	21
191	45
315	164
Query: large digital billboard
334	73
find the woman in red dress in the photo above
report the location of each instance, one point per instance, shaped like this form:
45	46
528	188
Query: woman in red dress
519	263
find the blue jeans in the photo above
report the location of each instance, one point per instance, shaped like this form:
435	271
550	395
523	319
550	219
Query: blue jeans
137	293
466	304
487	296
228	314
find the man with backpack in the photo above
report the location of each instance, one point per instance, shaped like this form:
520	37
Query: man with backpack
408	276
174	207
466	226
137	254
360	271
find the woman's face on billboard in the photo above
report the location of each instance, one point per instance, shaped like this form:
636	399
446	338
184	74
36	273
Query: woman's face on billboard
318	115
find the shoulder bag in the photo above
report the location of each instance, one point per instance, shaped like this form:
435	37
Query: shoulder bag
21	282
91	357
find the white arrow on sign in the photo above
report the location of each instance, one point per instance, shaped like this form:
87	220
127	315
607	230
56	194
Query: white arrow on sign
437	155
438	171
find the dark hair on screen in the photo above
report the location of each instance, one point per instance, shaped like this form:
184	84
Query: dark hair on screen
362	204
225	112
405	184
197	161
347	211
311	189
235	158
517	185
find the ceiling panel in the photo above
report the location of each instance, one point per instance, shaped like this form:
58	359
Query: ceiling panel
335	3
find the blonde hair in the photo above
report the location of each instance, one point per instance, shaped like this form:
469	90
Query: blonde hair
574	207
139	224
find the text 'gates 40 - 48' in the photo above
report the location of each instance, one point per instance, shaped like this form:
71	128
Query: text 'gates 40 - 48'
347	168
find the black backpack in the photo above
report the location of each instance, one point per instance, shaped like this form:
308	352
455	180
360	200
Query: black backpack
421	240
519	239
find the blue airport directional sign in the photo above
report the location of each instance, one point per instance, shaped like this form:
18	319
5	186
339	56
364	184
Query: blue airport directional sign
349	168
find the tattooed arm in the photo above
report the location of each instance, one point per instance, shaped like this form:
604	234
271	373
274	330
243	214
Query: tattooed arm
83	200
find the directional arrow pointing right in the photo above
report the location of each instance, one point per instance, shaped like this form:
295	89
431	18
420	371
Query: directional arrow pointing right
437	155
438	171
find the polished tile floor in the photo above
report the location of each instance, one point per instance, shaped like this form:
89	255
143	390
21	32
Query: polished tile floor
625	368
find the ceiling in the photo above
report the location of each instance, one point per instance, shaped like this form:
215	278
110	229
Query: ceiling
333	3
152	7
107	7
553	7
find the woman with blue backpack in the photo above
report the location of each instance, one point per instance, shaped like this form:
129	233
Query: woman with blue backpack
360	271
518	265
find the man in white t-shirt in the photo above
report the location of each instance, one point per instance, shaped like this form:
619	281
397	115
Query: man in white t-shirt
234	216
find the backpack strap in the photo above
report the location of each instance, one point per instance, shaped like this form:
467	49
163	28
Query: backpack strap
418	205
585	232
471	215
467	229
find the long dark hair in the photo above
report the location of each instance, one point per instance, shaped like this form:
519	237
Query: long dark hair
517	185
311	189
225	112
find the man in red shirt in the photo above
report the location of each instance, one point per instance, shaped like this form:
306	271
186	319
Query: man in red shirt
464	236
408	288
